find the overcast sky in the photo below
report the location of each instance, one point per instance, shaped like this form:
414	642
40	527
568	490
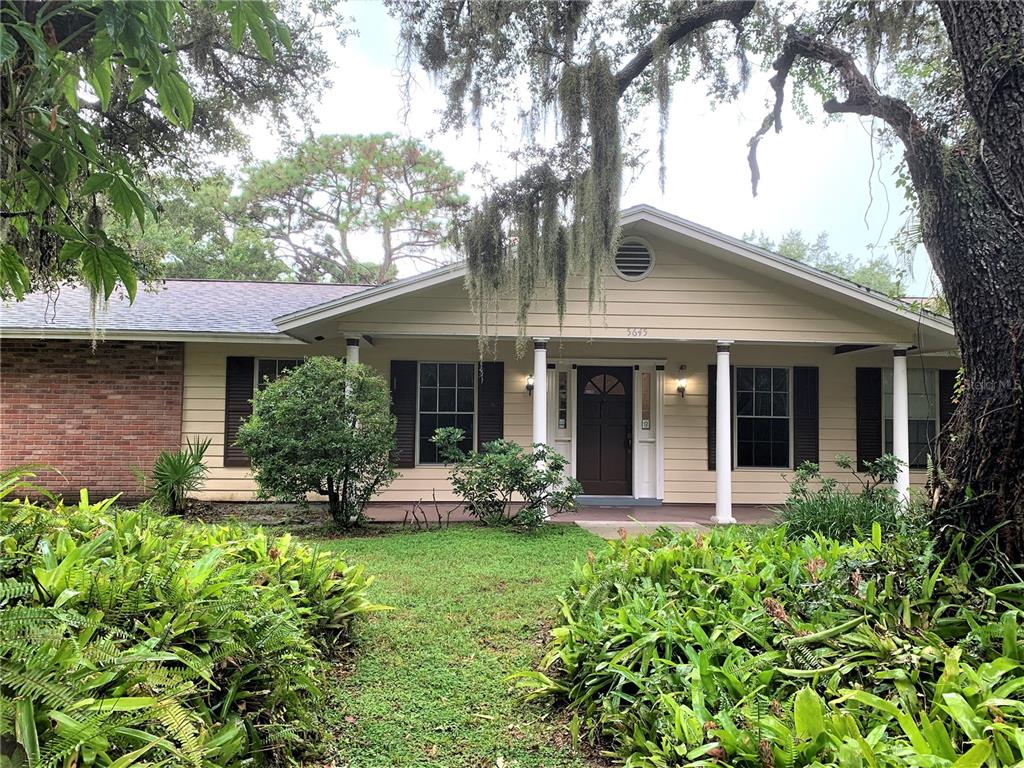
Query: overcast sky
814	177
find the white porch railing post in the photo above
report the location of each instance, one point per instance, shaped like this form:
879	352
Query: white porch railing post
540	390
723	437
901	422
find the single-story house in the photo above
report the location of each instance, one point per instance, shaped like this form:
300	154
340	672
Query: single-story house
710	370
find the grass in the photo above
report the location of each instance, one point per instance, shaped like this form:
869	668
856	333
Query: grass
426	686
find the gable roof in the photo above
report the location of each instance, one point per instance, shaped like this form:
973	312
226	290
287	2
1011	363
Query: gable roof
289	312
721	245
184	307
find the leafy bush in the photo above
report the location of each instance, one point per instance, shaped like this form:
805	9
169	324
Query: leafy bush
130	637
325	427
747	648
823	505
176	474
504	484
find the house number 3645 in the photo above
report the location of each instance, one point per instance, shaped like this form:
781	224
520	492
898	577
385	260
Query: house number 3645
636	332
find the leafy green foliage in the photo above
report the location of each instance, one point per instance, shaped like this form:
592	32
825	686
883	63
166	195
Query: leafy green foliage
129	638
877	273
506	484
824	505
325	427
58	166
747	648
327	188
176	474
200	235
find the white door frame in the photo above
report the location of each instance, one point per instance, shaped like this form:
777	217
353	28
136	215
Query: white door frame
558	438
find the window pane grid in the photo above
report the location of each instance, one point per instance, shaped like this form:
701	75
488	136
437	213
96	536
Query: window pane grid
268	370
447	398
922	410
762	417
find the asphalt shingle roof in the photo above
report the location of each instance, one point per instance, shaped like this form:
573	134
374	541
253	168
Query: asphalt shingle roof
189	306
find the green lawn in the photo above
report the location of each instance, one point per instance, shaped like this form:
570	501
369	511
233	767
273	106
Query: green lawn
426	686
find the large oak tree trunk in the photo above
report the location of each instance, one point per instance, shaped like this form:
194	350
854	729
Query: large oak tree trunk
972	209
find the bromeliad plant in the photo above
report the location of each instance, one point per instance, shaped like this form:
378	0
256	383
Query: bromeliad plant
506	484
130	638
747	648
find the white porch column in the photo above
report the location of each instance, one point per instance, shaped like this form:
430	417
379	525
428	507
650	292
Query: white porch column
540	390
900	422
723	438
352	349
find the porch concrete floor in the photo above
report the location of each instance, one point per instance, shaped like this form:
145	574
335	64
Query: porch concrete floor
608	522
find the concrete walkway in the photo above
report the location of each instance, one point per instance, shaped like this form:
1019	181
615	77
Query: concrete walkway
616	522
605	521
608	522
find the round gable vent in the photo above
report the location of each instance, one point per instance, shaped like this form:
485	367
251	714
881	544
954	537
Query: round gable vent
634	259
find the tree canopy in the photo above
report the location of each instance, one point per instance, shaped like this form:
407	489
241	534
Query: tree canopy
322	191
877	273
197	234
97	93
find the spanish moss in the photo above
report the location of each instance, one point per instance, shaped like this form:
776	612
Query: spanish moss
531	234
663	93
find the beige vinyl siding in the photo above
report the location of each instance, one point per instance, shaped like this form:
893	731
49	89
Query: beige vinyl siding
203	405
688	295
687	478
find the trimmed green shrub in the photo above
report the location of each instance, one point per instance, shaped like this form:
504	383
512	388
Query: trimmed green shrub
823	505
744	647
324	427
127	637
504	484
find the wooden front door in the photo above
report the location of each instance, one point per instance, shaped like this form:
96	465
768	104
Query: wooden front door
604	433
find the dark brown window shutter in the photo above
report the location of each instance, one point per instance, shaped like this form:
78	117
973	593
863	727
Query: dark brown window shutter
490	406
237	406
947	391
712	404
869	415
403	406
805	415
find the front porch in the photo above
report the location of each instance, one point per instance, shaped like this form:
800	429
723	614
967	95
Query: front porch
608	522
674	514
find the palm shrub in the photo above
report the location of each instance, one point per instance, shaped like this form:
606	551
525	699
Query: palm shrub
746	647
325	427
506	484
818	504
176	474
128	637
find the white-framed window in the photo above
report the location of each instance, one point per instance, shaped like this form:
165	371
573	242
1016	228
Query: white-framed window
562	390
646	400
446	397
923	413
763	417
268	369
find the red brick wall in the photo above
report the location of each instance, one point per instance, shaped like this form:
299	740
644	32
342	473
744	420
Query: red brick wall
92	415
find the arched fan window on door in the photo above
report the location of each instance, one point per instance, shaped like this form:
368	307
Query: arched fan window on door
604	384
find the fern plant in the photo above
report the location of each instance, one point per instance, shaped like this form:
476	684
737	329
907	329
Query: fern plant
128	637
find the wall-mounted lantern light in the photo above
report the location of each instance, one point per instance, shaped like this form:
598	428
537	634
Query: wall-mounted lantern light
529	385
681	382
